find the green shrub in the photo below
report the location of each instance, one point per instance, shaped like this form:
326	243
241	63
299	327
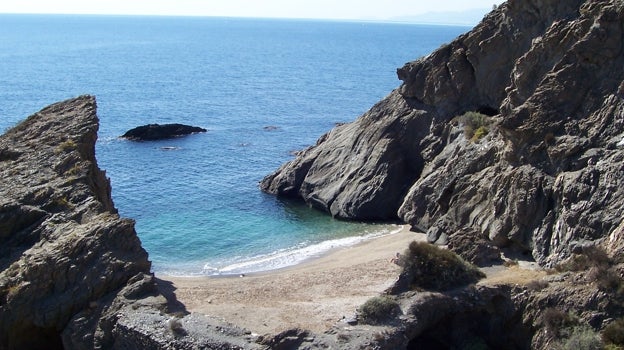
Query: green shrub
614	333
377	310
479	133
476	125
580	338
430	267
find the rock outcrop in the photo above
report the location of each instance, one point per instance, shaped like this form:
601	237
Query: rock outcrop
544	174
153	132
73	273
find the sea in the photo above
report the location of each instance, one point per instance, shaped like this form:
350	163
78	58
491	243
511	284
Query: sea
263	88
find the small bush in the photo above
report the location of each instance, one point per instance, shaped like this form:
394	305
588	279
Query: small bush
476	125
511	263
614	333
431	267
479	133
590	257
66	146
377	310
62	203
556	321
580	338
606	279
537	285
599	264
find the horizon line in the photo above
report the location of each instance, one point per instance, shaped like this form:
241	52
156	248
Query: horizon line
364	20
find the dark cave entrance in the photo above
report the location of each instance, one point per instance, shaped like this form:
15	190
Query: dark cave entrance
35	338
496	326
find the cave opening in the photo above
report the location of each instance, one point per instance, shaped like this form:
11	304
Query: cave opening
488	110
35	338
495	327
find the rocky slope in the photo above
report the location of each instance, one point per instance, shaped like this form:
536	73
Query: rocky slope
73	273
544	175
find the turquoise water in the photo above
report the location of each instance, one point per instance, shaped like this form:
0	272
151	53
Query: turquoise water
196	201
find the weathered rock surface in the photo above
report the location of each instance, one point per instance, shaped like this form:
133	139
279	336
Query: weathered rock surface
153	132
548	175
73	273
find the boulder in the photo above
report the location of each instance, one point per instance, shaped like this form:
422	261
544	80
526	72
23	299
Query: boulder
153	132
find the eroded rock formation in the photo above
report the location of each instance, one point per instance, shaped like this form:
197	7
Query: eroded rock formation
549	78
73	273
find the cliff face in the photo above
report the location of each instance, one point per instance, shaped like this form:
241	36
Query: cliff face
62	246
73	273
547	78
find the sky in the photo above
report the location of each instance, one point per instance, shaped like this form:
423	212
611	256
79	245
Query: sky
321	9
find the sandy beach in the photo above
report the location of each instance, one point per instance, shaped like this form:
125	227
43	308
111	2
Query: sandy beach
313	295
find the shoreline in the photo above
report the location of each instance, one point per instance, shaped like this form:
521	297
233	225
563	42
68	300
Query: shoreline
313	295
285	258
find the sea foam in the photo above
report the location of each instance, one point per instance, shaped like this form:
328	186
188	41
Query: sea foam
292	256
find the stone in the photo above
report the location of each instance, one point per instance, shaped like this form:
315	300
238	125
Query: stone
153	132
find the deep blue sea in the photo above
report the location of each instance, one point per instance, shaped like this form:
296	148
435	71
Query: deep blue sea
196	201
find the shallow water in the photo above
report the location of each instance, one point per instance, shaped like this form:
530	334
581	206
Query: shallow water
196	201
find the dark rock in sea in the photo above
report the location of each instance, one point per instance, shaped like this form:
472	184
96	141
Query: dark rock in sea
73	274
153	132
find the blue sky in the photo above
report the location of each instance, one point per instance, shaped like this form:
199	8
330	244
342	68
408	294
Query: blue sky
327	9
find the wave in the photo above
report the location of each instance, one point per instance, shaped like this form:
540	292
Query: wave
284	258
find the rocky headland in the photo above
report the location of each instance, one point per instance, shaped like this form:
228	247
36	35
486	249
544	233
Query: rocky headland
510	139
507	142
514	132
73	273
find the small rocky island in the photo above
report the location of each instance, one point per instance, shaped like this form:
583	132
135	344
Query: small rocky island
154	132
509	140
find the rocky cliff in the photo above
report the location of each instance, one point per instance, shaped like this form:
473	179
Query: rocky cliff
537	165
73	273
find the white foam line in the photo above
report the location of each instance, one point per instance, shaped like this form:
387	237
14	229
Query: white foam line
289	257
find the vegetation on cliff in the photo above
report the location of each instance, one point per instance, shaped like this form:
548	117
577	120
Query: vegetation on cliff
542	178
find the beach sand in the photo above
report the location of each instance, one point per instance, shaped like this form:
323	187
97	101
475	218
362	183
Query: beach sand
313	295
